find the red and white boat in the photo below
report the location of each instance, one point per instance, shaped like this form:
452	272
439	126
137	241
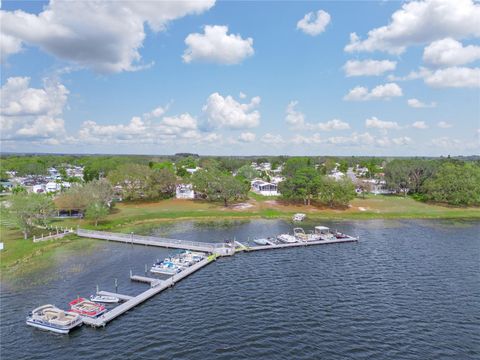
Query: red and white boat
86	307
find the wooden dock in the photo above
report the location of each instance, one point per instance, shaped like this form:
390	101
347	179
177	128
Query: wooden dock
131	303
297	244
122	297
151	281
221	249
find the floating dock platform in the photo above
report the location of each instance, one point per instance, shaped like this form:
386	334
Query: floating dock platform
296	244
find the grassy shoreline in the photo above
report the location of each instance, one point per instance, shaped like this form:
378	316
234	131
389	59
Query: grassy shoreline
131	216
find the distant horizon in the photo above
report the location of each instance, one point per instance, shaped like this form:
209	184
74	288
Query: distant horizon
9	153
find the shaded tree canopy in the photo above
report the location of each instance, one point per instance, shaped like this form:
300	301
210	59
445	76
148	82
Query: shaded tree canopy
454	184
215	185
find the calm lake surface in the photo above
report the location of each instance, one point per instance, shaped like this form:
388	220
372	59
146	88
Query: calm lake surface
407	290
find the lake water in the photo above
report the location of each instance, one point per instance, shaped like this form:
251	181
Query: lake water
407	290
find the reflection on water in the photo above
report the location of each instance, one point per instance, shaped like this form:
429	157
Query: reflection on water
410	290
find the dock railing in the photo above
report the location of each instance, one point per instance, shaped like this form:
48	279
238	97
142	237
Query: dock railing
155	241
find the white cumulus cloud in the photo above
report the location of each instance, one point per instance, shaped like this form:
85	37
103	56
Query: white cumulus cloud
420	125
380	92
247	137
415	103
444	125
450	52
296	119
314	23
32	113
272	139
103	35
216	46
421	22
226	112
374	122
456	77
293	116
368	67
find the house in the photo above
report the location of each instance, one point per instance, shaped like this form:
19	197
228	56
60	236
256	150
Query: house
52	187
337	175
379	187
264	188
184	191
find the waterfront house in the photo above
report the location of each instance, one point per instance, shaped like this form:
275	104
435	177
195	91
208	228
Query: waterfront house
264	188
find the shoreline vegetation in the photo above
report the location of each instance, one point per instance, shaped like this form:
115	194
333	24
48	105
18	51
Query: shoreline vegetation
132	216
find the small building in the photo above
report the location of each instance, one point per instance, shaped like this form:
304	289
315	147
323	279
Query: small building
52	187
337	175
185	191
264	188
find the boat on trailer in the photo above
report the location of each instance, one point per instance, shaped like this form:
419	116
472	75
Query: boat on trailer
48	317
86	307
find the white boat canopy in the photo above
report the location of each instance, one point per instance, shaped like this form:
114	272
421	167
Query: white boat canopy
321	228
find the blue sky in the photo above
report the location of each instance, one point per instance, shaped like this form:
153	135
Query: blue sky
110	77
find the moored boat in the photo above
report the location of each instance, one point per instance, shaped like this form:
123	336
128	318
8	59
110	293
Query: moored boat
48	317
86	307
286	238
324	233
165	267
261	241
299	217
104	299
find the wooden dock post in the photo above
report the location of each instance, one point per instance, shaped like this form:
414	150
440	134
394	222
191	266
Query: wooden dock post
116	285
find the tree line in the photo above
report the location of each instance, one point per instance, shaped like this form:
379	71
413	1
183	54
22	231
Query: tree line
448	181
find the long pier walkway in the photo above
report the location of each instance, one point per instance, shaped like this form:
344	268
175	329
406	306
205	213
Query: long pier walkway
214	248
131	303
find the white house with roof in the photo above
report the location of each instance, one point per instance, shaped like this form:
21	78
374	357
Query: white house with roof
264	188
185	191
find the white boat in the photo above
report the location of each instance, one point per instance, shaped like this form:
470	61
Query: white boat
286	238
104	299
324	233
165	267
300	234
48	317
261	241
299	217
